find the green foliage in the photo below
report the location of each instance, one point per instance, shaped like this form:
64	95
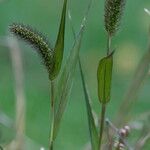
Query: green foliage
104	76
66	80
52	59
91	121
59	47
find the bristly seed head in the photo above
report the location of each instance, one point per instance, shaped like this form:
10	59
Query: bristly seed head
38	41
113	13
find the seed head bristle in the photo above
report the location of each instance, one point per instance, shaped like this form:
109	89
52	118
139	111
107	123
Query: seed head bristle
37	40
113	13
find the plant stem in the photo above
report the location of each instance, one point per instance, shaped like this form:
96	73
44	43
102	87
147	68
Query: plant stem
102	124
53	116
108	44
104	105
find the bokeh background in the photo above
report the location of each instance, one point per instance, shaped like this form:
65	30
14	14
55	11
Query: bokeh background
131	43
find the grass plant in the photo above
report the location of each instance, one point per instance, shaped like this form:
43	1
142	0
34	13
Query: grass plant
52	57
61	78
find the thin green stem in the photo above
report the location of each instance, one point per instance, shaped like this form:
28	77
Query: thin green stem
108	44
52	116
102	124
103	111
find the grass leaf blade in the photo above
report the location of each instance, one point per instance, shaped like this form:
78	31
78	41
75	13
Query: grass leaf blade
59	46
131	95
91	122
66	80
104	75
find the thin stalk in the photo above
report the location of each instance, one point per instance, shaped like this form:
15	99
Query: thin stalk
109	137
103	111
52	116
108	44
130	97
19	91
102	124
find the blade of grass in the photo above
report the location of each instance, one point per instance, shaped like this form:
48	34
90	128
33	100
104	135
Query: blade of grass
130	97
66	80
59	46
142	142
104	75
58	56
91	122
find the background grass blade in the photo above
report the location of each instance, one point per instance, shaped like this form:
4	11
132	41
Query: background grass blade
104	75
66	80
130	97
91	122
17	65
59	46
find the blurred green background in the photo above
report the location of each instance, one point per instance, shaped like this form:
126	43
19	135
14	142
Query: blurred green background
131	43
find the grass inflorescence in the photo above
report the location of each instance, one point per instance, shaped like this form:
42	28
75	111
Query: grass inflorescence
36	40
113	13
